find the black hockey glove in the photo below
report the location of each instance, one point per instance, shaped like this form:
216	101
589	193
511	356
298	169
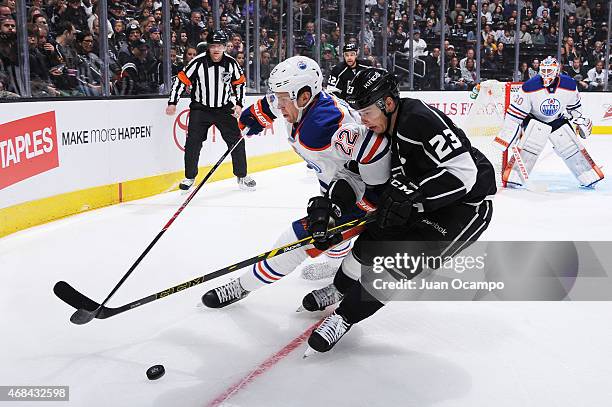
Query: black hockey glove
322	214
396	203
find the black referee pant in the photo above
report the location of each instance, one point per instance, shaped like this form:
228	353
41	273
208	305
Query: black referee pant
200	120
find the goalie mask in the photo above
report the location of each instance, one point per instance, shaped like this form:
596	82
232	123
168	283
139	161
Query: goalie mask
549	71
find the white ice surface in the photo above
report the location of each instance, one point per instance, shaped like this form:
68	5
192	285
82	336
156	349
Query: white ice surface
408	354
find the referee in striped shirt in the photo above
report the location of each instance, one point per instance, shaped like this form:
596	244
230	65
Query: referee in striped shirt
217	96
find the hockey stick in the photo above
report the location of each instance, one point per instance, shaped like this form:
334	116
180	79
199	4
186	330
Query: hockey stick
85	314
75	299
521	165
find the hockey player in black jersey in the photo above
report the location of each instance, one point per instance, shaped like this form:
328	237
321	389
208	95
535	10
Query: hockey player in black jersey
345	71
437	197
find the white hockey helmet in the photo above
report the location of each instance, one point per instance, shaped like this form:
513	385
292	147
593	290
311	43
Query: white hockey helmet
294	74
549	70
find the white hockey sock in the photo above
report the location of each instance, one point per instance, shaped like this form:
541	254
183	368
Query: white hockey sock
268	271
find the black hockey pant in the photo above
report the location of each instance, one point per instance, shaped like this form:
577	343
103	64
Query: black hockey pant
445	232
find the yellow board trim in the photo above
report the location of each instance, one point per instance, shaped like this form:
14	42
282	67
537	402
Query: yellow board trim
601	130
28	214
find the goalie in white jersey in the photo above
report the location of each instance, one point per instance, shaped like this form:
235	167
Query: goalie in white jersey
326	133
542	110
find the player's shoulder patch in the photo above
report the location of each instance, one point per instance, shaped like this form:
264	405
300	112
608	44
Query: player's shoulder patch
567	82
320	123
534	84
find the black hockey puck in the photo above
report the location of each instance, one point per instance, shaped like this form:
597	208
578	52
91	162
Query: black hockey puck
155	372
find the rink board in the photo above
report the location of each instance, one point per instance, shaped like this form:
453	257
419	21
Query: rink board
59	158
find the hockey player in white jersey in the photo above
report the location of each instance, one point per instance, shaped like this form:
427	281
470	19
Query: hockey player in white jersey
541	111
326	133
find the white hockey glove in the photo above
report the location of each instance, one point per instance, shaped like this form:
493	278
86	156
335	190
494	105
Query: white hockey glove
584	126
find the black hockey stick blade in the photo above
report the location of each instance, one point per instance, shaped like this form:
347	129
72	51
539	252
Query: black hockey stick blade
72	297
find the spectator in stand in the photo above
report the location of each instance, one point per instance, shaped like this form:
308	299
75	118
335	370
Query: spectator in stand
486	14
569	29
155	43
64	60
579	74
432	70
420	47
89	65
469	54
240	59
538	38
265	67
525	37
139	74
238	45
223	22
5	12
194	28
450	53
551	37
38	64
75	13
523	72
569	8
453	80
189	54
456	12
469	73
570	51
133	34
599	14
117	13
508	37
543	6
596	77
510	8
490	63
175	62
583	12
498	15
500	57
534	69
597	54
458	30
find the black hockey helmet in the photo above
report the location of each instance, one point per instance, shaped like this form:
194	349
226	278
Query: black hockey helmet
371	86
350	47
216	37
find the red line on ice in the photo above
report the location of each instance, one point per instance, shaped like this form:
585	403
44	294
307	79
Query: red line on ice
263	367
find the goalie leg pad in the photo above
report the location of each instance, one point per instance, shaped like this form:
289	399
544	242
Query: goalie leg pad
530	146
574	154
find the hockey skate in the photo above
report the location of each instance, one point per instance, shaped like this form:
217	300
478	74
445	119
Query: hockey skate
327	334
186	184
224	295
247	183
318	300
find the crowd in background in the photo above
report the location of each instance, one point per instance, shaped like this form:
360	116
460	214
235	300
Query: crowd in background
64	43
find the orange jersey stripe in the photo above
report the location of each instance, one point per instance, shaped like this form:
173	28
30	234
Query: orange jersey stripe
183	78
240	80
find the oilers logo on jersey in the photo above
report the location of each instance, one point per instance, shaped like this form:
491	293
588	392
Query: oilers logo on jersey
550	107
